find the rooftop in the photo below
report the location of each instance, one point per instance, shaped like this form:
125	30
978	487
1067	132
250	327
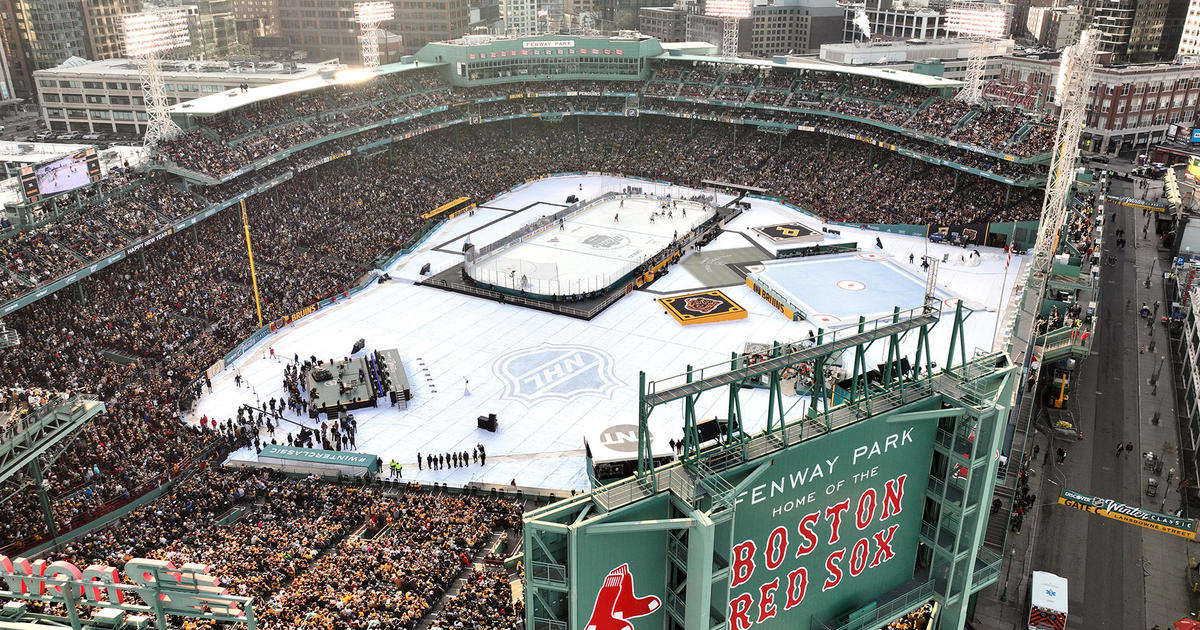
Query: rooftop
260	71
331	75
817	65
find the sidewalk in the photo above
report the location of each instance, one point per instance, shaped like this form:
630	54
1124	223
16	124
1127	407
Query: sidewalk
1139	574
1164	557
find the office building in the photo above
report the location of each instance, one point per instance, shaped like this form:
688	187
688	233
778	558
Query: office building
795	26
1132	30
422	21
896	24
668	24
1053	27
520	17
41	34
711	29
102	19
1132	105
322	33
265	11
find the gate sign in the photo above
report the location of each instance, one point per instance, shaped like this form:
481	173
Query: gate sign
1185	527
829	526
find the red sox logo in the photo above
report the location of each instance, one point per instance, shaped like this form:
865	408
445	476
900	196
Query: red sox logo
616	604
701	304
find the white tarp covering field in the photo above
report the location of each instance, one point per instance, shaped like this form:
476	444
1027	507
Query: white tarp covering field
551	379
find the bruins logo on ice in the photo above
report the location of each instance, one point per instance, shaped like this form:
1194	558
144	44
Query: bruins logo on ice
556	372
703	307
606	241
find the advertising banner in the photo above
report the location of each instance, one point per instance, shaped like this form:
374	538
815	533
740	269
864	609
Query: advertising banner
1108	508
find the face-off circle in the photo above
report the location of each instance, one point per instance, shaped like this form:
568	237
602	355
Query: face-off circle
951	302
851	285
756	268
870	256
822	318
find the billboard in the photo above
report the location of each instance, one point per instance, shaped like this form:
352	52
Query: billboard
831	525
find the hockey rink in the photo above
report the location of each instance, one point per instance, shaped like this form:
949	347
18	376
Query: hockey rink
591	249
552	379
835	290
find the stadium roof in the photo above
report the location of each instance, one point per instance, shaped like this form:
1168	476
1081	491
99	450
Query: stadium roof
233	99
683	51
812	63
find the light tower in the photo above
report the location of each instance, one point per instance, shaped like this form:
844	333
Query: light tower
148	36
731	12
1073	90
369	16
972	92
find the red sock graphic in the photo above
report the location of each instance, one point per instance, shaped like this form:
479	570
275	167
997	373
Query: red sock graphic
630	606
616	603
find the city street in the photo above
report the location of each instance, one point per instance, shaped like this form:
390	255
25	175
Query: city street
1121	576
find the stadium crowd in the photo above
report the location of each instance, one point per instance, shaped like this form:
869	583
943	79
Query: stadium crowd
314	554
228	143
141	334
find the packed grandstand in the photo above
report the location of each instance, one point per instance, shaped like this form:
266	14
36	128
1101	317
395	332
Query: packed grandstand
139	334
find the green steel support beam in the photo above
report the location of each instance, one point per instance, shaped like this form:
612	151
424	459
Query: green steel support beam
52	425
645	448
641	526
35	473
691	435
913	416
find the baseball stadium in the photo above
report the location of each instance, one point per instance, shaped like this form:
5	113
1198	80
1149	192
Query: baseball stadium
557	332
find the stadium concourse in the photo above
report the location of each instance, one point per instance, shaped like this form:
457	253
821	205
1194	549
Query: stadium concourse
466	355
141	333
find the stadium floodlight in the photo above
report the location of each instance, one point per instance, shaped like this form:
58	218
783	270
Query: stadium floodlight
369	16
148	36
972	92
732	12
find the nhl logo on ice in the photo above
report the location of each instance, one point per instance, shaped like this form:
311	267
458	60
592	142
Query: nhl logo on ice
606	241
556	372
701	304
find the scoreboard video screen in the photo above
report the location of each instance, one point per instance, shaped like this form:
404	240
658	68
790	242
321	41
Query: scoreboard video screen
64	174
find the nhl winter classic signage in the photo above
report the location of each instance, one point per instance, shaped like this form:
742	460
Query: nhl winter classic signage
1185	527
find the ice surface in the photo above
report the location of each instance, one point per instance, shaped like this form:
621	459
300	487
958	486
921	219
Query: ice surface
466	357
